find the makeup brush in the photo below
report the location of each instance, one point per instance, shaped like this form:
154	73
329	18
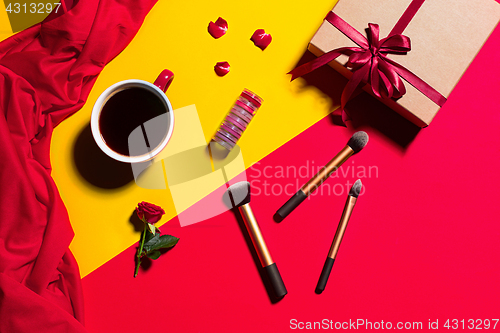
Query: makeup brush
357	142
346	214
240	195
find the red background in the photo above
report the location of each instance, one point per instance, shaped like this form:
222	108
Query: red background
422	242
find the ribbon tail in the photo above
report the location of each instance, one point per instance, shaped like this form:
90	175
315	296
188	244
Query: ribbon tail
375	77
354	82
320	61
418	83
345	117
340	117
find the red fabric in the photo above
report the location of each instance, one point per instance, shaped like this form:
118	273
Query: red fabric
46	73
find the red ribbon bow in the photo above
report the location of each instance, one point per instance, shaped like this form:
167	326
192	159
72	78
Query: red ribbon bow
369	63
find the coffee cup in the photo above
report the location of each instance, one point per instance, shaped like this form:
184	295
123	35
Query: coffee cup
133	120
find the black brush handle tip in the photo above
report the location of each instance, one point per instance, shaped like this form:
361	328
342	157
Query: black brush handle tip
290	205
325	273
276	280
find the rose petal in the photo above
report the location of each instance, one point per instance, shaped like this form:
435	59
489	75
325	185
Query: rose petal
261	39
140	214
149	212
217	29
222	68
154	218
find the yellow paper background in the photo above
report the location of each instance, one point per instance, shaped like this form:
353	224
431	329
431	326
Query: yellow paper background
5	27
175	36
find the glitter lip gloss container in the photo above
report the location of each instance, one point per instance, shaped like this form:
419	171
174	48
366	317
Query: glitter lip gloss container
237	119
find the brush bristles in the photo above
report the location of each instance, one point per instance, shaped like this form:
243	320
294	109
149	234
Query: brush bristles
358	141
240	193
356	189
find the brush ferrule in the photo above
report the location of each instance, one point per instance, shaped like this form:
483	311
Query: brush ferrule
256	235
327	170
346	214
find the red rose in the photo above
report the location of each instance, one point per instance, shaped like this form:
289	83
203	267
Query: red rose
150	212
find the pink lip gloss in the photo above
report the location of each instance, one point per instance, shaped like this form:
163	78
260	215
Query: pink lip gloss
237	119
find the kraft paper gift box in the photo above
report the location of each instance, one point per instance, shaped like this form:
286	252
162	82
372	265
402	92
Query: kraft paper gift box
445	36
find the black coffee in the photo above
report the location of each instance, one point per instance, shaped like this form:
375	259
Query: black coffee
127	110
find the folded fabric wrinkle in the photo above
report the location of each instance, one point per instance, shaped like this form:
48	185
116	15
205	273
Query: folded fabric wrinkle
46	74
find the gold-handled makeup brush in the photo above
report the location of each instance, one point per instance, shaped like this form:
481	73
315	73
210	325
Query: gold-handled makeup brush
240	194
357	142
346	214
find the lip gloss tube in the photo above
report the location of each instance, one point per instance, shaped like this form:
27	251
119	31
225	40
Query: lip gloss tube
237	120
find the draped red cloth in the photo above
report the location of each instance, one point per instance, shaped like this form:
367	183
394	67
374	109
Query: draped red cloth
46	73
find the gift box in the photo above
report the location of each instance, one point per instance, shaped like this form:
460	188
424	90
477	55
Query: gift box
429	46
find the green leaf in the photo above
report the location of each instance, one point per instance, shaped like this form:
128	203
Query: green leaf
149	235
165	242
159	242
150	243
154	254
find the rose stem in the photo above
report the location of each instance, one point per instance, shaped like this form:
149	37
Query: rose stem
140	251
